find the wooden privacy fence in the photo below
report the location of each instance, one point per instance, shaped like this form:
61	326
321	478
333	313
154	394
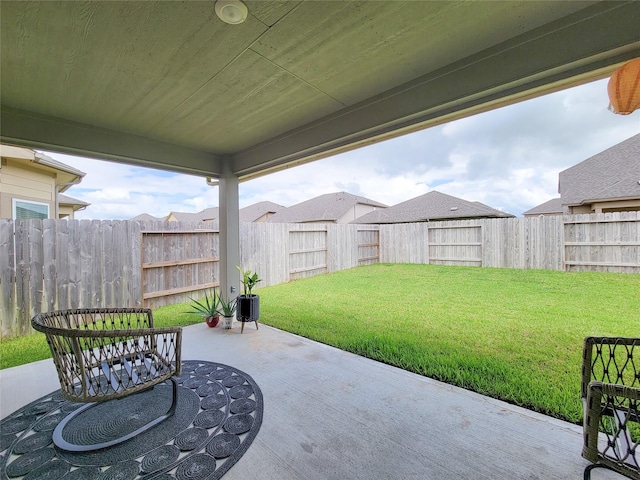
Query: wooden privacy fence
60	264
282	252
455	244
55	264
608	242
308	252
177	261
605	242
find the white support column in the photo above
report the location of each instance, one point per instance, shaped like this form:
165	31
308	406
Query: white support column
229	235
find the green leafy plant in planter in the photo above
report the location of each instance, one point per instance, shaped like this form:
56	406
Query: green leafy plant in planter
248	303
227	309
208	308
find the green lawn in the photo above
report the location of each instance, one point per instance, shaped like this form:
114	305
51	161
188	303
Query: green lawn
510	334
31	348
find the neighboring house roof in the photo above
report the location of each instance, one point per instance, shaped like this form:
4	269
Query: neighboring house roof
181	217
145	217
66	176
209	214
43	159
73	202
212	214
206	215
259	210
433	205
550	207
613	174
328	208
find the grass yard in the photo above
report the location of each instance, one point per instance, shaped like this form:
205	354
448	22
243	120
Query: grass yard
515	335
31	348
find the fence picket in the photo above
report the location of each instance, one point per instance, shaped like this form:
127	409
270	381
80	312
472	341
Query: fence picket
50	290
7	278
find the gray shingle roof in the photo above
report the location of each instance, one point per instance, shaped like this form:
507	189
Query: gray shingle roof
553	206
212	214
207	215
610	175
253	212
328	207
43	159
433	205
184	217
145	217
67	200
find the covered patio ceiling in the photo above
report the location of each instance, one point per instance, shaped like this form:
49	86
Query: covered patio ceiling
169	85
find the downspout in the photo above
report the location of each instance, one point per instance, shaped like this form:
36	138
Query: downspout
58	186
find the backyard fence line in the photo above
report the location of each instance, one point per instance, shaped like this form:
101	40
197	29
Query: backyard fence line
177	261
60	264
56	264
282	252
608	242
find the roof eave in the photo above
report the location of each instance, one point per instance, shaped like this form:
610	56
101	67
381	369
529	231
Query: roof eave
603	200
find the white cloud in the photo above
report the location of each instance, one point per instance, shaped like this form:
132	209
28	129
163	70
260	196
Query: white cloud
113	194
119	191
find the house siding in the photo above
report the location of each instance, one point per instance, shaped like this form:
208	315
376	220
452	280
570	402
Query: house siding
21	182
578	209
606	207
65	212
355	212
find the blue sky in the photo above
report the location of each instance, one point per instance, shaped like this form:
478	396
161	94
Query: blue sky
507	158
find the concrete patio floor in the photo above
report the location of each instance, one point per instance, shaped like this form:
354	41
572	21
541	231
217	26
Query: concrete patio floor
329	414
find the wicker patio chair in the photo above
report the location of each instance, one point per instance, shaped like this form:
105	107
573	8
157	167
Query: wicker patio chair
103	354
611	395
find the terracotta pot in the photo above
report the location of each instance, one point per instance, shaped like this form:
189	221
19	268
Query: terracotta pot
212	321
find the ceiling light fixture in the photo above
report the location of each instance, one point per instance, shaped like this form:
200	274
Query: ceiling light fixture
231	11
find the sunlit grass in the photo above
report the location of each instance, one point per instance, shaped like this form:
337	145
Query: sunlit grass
21	350
31	348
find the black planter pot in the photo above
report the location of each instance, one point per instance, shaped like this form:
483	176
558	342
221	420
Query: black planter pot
248	308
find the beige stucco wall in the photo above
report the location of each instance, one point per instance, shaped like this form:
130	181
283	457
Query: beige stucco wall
21	181
604	207
542	214
354	212
579	209
65	211
263	218
619	206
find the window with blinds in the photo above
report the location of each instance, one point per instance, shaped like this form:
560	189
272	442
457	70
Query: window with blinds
25	210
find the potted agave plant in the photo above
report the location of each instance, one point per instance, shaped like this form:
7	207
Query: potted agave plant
248	303
208	308
228	310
